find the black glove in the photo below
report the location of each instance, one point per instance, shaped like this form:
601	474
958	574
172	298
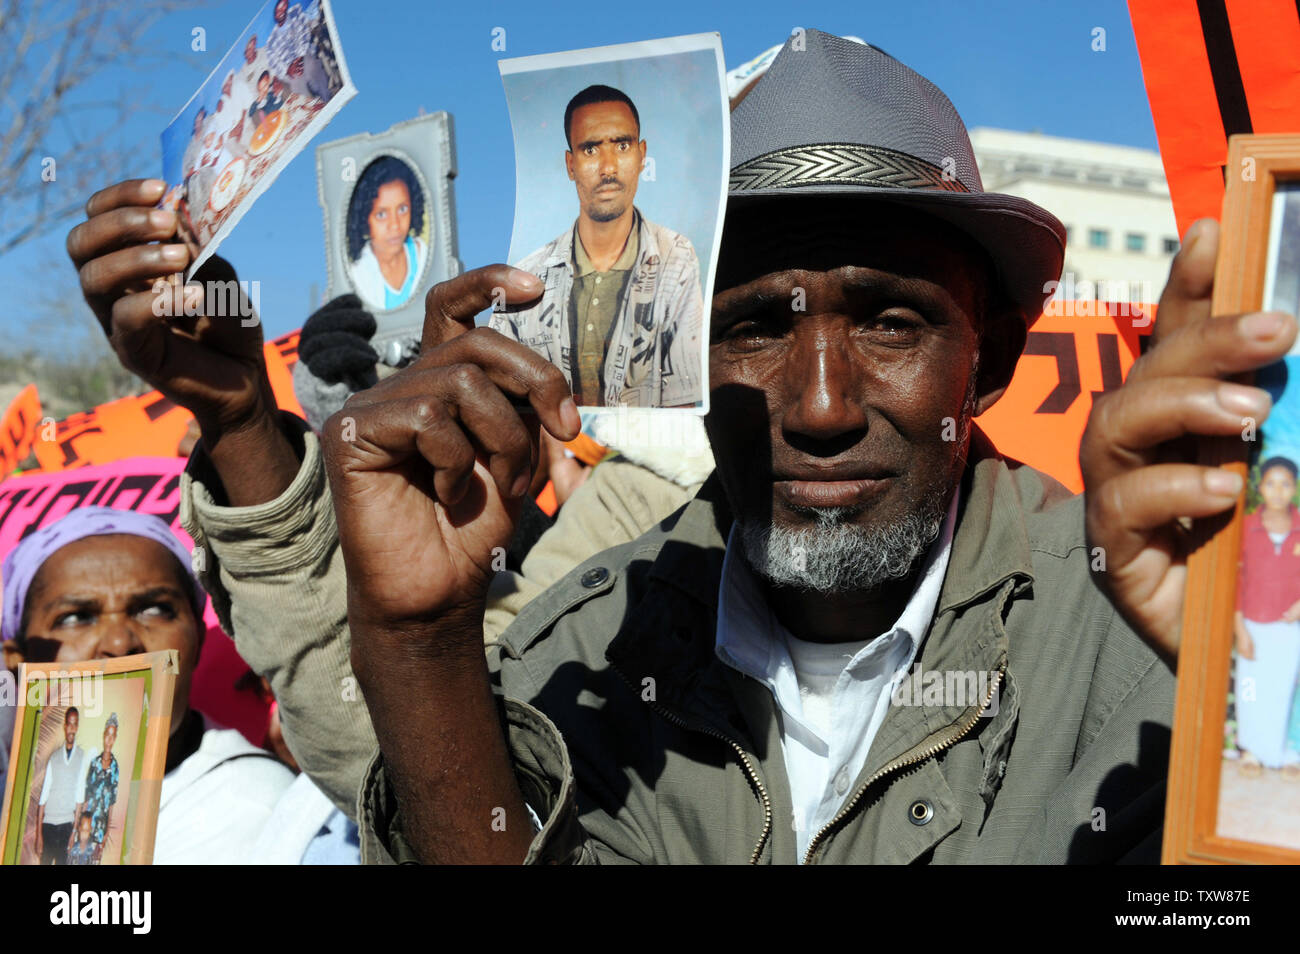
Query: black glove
335	343
335	359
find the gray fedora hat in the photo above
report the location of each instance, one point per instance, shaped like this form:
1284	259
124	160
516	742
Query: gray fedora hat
834	116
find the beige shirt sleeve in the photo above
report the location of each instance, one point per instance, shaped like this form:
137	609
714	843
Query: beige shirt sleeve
617	503
275	573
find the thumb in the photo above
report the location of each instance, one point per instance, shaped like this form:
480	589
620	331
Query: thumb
450	306
1186	297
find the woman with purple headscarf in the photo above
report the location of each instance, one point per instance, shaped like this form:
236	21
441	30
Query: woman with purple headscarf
102	583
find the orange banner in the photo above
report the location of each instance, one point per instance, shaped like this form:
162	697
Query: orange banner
1078	349
18	429
149	425
1214	68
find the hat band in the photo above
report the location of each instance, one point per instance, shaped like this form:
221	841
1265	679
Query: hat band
841	164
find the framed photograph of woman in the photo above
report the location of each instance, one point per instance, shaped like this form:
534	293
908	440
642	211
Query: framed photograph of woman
87	762
390	223
1234	780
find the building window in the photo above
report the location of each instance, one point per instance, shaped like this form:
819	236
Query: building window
1135	242
1098	238
1171	246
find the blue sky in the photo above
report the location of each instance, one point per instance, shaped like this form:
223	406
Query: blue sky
1016	64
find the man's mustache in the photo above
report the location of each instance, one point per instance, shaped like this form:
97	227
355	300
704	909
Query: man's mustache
609	182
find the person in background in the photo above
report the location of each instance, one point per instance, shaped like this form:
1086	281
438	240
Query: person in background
61	793
103	583
1267	623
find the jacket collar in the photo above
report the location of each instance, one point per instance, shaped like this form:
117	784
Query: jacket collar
673	639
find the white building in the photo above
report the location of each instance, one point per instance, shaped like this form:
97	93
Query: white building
1113	201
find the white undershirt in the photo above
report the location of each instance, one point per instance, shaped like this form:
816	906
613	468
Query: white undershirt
832	699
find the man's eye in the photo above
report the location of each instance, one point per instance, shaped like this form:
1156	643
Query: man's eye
624	146
892	325
751	331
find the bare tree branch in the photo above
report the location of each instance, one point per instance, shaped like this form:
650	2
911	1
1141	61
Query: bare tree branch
53	58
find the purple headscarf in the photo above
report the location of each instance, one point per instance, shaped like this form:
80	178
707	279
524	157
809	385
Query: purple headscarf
26	559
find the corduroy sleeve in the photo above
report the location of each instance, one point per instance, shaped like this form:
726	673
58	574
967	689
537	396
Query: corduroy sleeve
275	573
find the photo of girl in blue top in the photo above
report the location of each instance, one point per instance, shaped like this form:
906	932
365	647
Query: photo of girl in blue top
384	223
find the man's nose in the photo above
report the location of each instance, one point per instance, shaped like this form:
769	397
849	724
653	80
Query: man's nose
823	375
608	162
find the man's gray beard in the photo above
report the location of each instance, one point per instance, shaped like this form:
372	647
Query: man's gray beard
837	556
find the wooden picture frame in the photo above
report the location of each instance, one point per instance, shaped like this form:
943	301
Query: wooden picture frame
1209	818
133	694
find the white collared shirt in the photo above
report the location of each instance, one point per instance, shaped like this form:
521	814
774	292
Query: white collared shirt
832	697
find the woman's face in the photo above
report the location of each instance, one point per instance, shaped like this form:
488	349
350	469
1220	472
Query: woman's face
113	595
1277	487
263	86
390	218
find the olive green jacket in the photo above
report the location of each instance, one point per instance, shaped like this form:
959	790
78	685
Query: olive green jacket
275	573
634	743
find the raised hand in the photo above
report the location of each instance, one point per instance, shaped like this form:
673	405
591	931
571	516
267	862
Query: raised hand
1138	453
199	344
428	467
129	260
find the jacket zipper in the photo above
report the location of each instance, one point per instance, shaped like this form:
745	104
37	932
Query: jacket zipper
740	752
928	753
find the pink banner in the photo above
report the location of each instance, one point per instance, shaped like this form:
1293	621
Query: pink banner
145	485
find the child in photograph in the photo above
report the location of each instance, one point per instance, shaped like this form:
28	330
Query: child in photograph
84	851
267	102
1267	631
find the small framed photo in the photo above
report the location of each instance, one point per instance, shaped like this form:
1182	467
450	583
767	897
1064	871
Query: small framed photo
390	219
87	762
621	168
1234	778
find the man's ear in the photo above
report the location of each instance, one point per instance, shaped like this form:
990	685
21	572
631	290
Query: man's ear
568	163
14	656
1002	340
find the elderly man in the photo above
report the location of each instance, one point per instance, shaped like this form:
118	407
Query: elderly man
622	313
720	689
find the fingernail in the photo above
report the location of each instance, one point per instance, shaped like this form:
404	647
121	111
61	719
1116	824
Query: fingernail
155	185
570	416
175	253
520	486
1239	399
160	219
1223	482
525	281
1262	325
